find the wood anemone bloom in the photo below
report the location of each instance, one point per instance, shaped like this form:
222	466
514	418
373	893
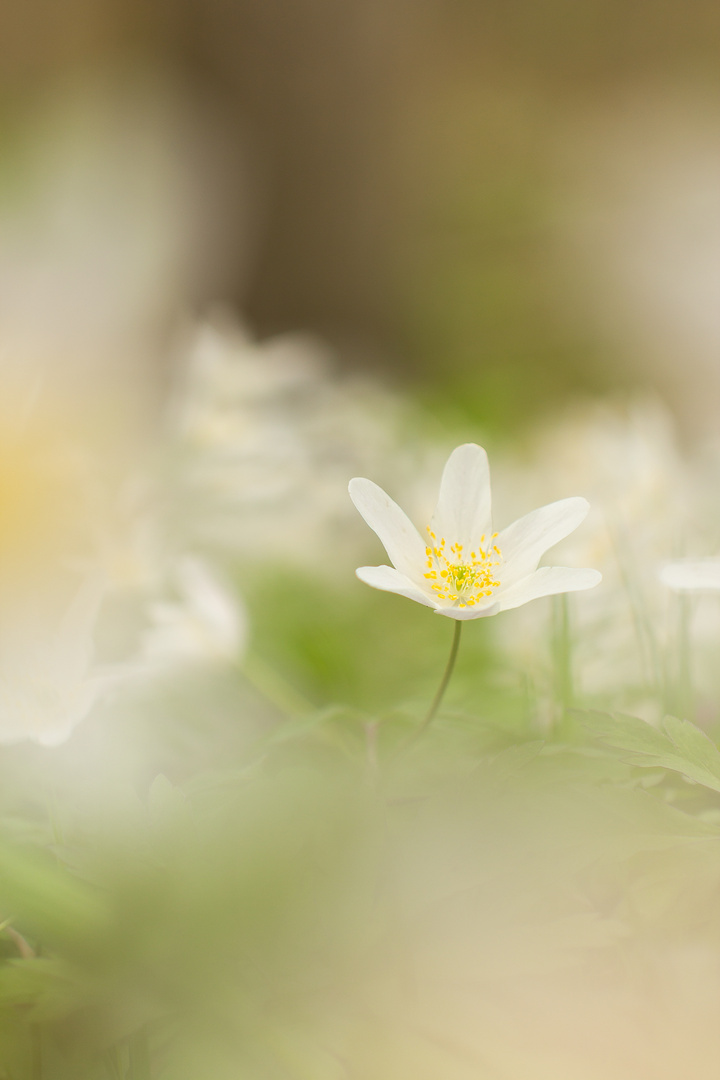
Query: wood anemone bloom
461	568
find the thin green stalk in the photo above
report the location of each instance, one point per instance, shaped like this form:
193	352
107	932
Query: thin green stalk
56	829
685	702
430	715
562	655
275	689
649	652
139	1056
371	745
113	1063
36	1052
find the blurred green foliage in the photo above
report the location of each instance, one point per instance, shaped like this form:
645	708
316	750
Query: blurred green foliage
269	915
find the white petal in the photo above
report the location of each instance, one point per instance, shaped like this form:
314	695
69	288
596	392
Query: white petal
692	574
474	612
390	580
547	581
525	541
213	606
462	514
399	536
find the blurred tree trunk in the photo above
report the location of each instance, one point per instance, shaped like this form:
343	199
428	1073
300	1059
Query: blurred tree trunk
312	91
308	92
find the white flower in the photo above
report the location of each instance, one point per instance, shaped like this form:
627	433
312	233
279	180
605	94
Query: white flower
463	569
48	683
697	575
263	436
208	624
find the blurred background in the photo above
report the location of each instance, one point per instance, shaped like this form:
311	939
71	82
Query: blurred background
501	204
248	250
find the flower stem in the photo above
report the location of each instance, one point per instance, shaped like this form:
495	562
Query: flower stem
562	658
139	1054
113	1063
684	704
430	715
36	1052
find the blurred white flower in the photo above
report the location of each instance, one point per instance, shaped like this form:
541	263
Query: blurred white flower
650	503
692	575
208	624
126	533
263	436
463	569
48	683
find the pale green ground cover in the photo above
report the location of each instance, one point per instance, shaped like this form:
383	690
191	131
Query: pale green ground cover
243	865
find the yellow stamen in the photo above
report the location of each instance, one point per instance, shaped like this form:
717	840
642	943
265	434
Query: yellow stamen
465	581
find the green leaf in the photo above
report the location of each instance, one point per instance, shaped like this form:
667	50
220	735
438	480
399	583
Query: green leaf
46	983
680	747
300	727
47	902
696	749
625	732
